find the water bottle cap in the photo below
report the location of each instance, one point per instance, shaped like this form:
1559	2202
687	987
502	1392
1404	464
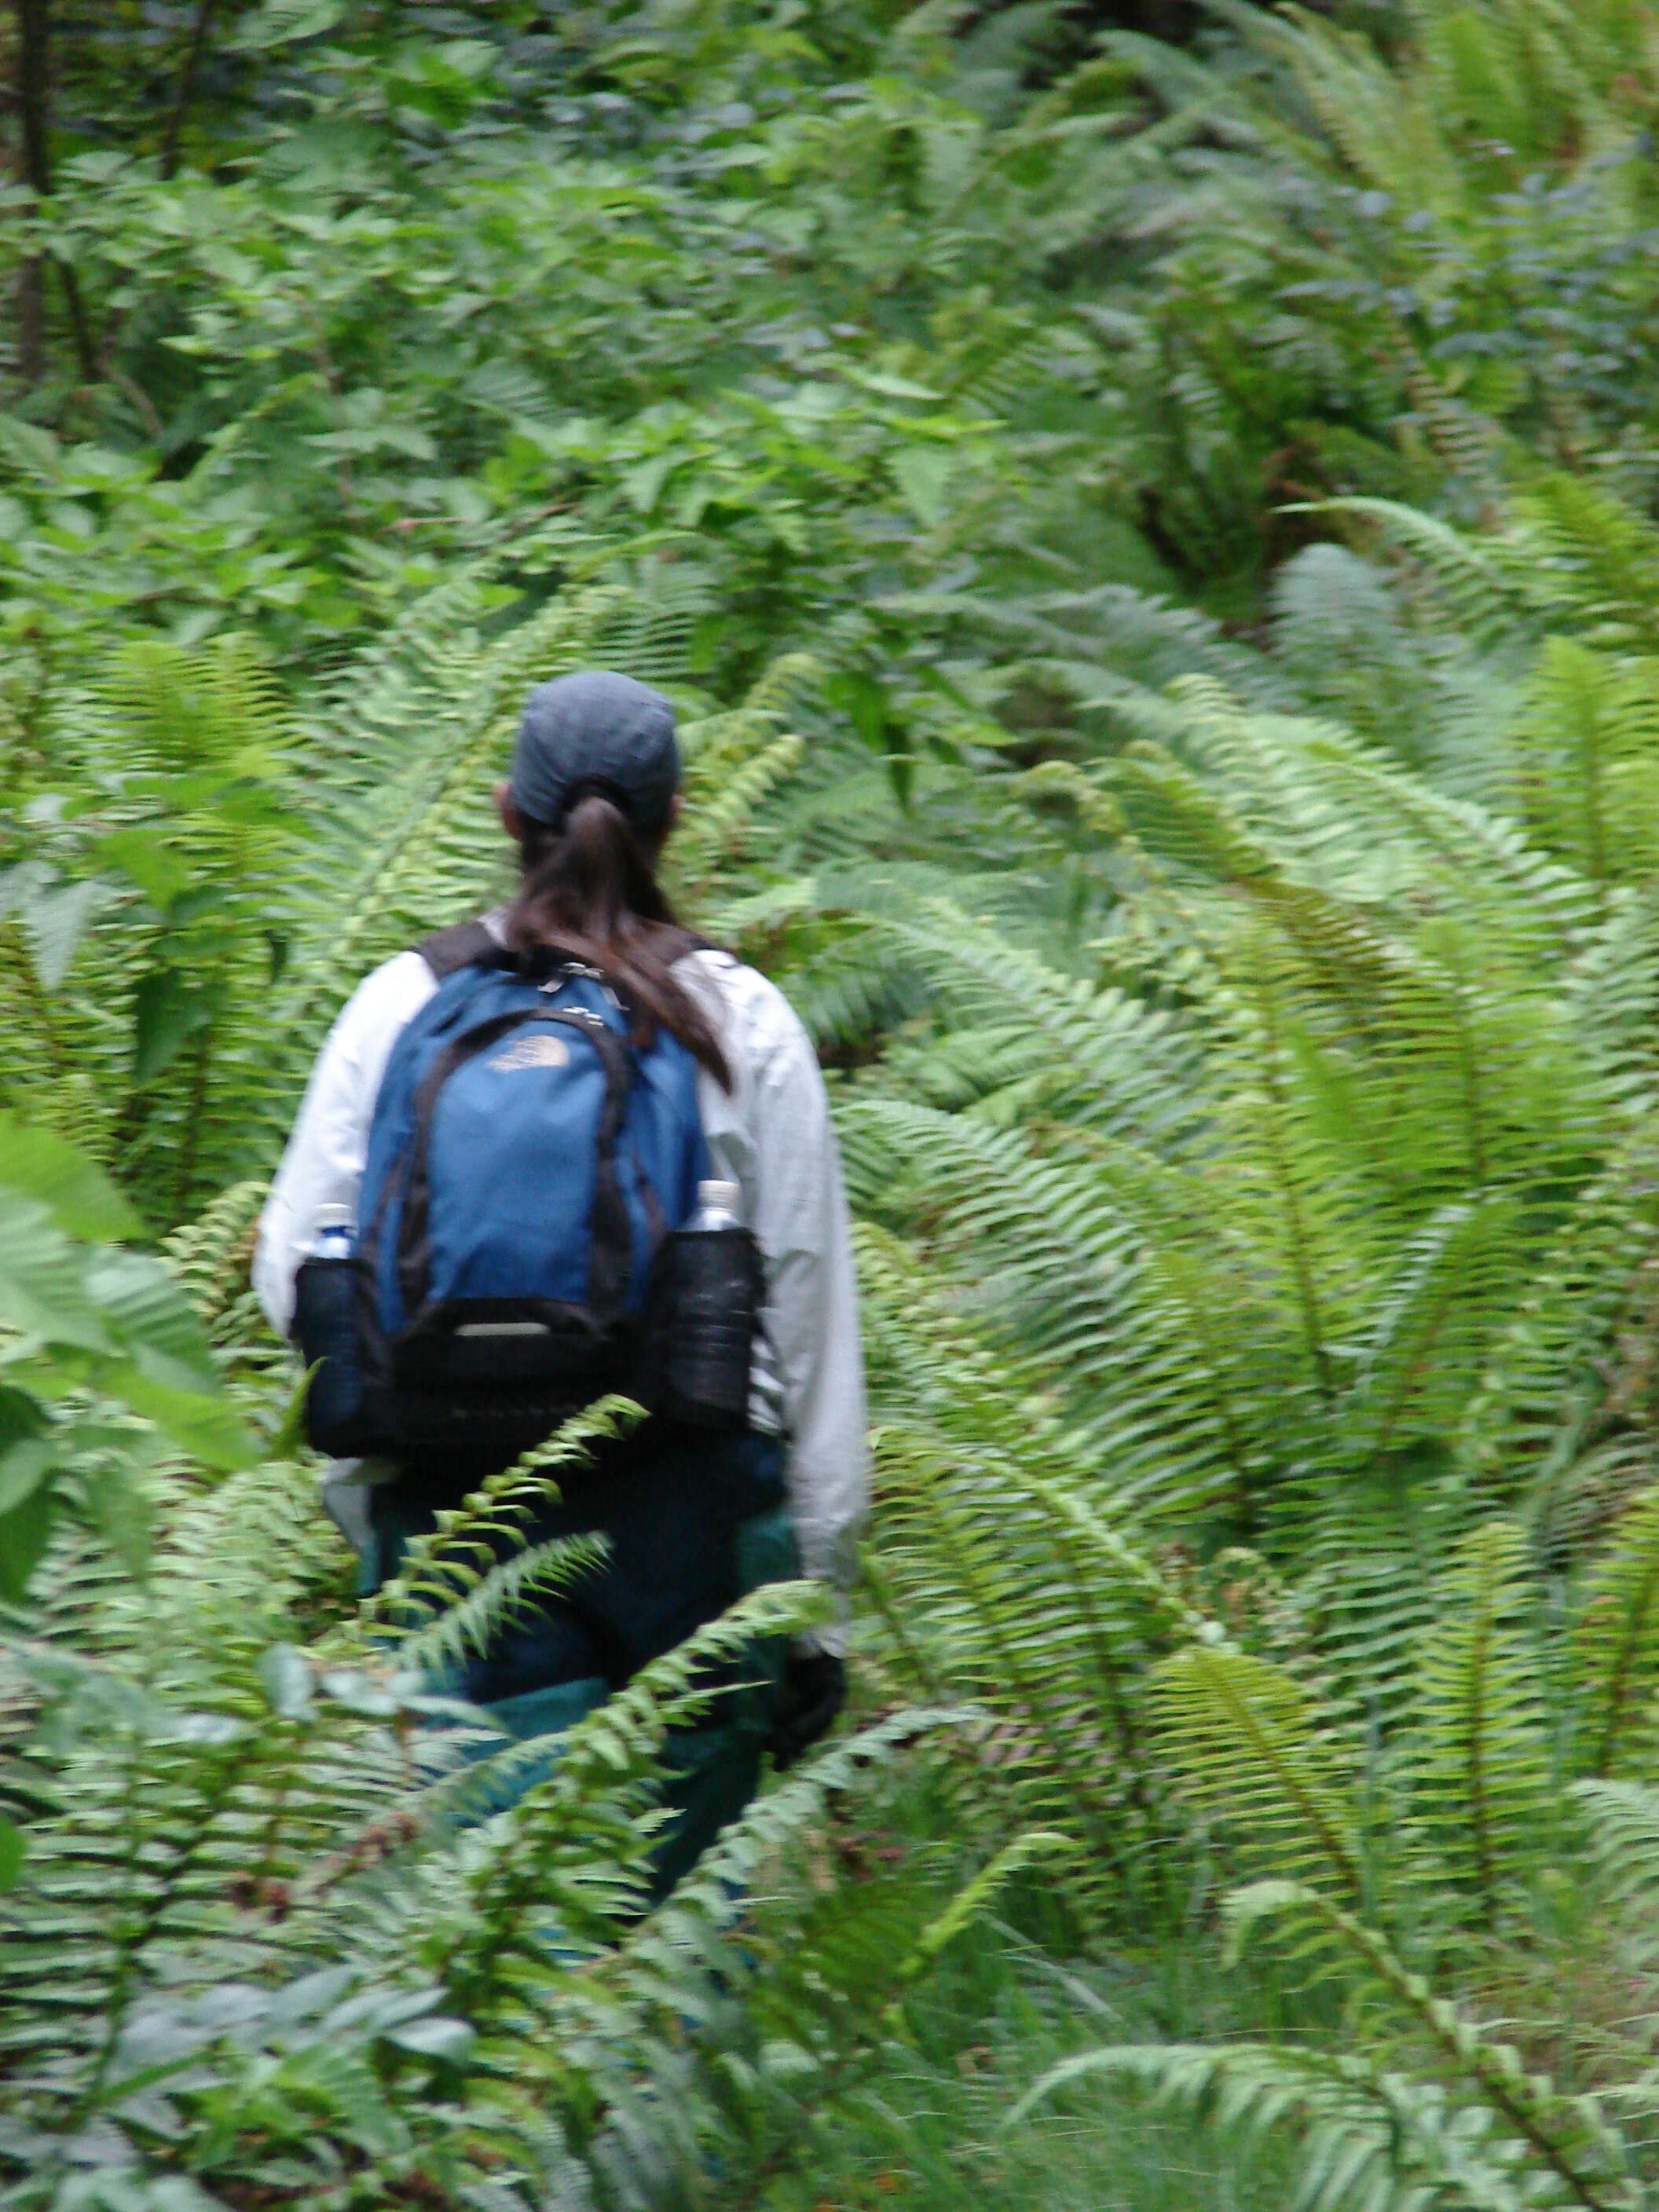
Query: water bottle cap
334	1217
719	1197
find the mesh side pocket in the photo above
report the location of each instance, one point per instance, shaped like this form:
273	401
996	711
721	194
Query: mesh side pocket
700	1340
327	1293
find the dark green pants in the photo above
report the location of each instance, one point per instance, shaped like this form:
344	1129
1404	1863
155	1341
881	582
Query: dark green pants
693	1522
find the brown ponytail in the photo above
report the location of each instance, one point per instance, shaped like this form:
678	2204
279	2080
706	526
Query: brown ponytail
590	892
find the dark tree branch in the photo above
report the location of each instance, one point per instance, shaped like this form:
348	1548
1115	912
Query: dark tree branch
31	322
86	349
187	90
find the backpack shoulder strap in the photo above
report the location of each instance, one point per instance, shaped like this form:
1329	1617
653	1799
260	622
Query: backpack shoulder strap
473	945
468	945
679	942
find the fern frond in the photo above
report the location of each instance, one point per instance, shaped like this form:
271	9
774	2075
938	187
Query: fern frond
1477	1756
503	1595
1566	2135
1618	1642
1245	1745
1361	2134
457	1557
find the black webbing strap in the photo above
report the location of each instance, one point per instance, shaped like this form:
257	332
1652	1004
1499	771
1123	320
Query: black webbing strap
474	944
610	1228
612	1263
677	941
467	944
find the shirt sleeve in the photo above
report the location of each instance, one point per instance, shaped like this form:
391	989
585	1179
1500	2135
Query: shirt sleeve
323	1165
805	1237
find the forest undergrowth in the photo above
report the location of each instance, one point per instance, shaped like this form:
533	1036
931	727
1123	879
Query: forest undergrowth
1147	516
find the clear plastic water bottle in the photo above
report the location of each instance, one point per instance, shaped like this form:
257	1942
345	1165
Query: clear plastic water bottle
716	1209
712	1329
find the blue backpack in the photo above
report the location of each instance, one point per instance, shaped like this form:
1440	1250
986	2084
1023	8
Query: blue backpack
528	1162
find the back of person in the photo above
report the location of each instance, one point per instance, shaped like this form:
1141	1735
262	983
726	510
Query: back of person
517	1119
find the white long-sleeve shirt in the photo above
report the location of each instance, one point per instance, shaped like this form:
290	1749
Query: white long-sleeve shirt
771	1134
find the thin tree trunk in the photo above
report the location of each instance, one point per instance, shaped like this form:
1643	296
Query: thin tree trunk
34	35
33	103
186	91
28	295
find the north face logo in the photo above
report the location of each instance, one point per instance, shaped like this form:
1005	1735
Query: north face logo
532	1052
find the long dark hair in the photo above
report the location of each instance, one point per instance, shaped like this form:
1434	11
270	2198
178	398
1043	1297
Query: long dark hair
590	892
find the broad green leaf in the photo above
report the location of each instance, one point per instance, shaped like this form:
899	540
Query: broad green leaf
194	905
167	1011
642	486
120	1512
279	21
22	884
11	1854
207	1428
24	1532
864	701
23	1467
80	1196
177	2192
42	1285
287	1678
146	858
435	2037
20	1416
892	386
145	1304
922	474
289	1439
55	922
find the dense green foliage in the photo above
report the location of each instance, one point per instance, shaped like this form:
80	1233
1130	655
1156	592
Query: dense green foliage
1153	542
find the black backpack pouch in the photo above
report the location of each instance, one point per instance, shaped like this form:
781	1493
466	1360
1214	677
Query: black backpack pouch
697	1349
342	1406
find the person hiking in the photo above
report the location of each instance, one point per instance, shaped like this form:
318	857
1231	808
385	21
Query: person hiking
584	989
